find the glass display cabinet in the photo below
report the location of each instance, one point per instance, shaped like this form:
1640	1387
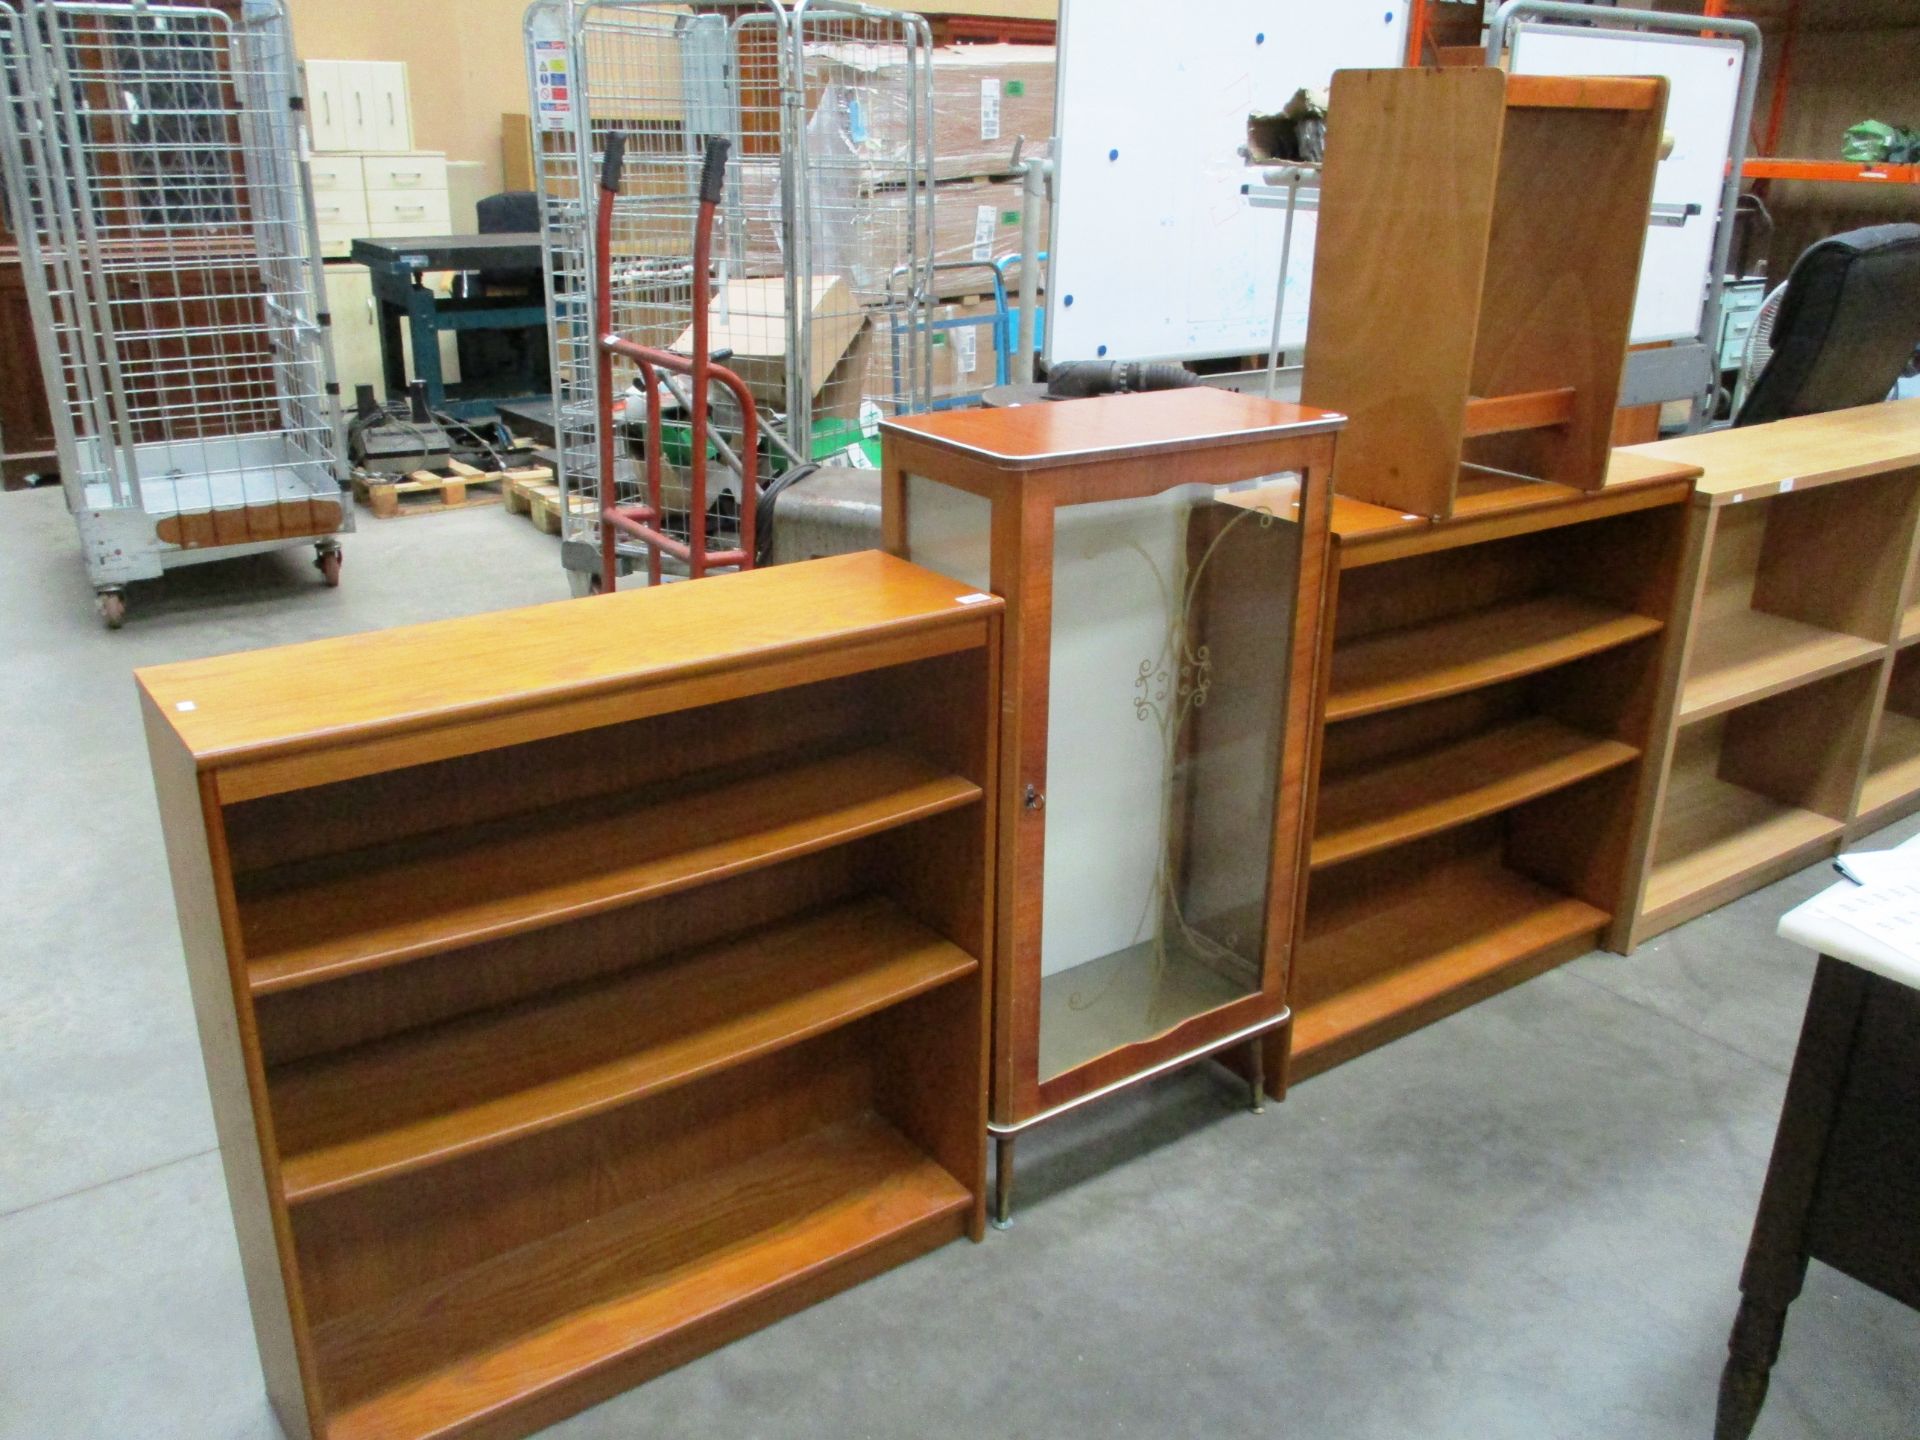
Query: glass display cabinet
1161	556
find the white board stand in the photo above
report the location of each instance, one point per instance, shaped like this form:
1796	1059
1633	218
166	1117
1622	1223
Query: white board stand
1155	253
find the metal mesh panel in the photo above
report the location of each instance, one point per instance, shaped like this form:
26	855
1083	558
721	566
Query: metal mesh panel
864	167
818	296
157	167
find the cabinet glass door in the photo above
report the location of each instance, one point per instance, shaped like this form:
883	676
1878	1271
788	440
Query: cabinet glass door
1172	628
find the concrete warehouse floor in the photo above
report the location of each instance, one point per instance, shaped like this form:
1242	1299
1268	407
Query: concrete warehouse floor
1524	1222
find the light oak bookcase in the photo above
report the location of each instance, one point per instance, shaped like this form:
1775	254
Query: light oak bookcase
1790	716
584	986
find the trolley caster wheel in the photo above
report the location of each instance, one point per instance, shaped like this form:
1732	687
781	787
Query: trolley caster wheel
582	583
327	562
113	608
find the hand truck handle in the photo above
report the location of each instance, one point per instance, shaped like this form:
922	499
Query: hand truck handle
714	172
616	156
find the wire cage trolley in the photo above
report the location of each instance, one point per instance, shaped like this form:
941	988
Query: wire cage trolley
816	289
155	180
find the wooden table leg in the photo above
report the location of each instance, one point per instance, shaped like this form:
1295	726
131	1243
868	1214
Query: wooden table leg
1776	1265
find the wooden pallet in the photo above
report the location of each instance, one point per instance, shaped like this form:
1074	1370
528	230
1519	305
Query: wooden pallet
514	485
427	491
544	506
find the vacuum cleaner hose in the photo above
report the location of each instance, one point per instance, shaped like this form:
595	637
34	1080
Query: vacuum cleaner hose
1081	378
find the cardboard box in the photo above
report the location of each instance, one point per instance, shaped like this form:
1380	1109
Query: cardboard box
749	317
516	152
983	96
963	361
973	223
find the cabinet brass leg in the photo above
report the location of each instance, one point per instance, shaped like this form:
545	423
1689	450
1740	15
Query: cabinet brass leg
1003	1181
1257	1075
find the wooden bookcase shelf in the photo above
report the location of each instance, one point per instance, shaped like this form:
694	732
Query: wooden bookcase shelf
1909	625
1748	655
1388	948
485	1079
524	1326
1798	596
308	921
571	1013
1738	800
1490	382
1428	661
1498	617
1454	783
1492	688
1893	761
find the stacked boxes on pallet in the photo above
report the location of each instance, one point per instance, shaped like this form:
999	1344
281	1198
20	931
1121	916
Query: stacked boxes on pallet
984	96
860	139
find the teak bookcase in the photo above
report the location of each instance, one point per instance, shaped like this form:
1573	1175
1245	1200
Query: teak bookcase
1790	718
1489	689
584	986
1163	616
1479	248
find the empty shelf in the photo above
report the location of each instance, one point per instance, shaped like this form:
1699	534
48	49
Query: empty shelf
1126	998
1379	957
1454	784
1749	654
317	921
1530	410
1481	493
1714	835
1893	771
1910	624
631	1290
1482	647
429	1095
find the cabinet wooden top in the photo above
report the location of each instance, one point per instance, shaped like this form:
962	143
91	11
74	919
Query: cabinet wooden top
1762	460
1063	432
249	706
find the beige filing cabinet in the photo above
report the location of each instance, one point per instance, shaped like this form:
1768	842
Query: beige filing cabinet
379	196
368	180
359	105
356	331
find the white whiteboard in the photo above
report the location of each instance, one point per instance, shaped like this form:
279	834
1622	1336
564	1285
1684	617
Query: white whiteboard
1702	99
1155	253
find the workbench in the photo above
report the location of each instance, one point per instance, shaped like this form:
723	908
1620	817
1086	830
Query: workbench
397	267
1843	1186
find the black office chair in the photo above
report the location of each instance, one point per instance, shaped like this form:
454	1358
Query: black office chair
506	361
1847	325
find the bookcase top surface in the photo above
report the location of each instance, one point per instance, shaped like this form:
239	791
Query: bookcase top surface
1761	460
243	706
1359	521
1063	432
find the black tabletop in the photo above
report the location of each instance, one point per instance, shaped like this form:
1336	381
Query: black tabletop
453	252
